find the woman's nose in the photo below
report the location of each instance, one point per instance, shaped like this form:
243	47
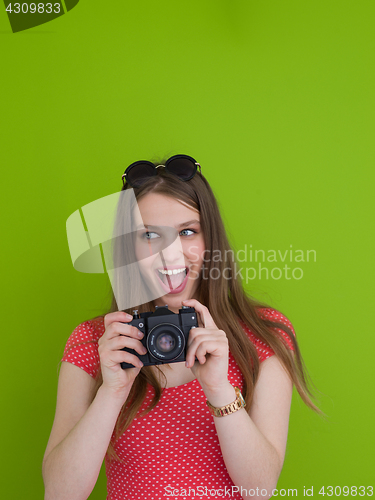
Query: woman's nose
173	254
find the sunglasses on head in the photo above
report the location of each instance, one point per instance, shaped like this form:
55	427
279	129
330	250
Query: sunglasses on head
182	166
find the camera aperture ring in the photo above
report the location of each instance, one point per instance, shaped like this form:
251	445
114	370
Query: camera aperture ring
165	342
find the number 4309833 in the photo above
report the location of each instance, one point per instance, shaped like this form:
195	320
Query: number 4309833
345	491
39	8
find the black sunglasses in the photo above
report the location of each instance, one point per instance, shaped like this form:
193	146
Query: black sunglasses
182	166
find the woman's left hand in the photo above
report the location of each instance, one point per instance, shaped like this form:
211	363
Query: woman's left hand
210	346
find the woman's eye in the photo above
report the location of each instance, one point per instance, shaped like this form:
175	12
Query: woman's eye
150	235
191	231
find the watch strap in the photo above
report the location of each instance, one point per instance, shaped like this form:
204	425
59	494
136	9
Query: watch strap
230	408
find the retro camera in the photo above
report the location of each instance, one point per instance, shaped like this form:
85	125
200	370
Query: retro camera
165	335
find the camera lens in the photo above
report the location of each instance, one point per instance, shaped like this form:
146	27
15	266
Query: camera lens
165	342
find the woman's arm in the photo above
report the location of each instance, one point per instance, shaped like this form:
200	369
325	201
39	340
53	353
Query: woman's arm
253	446
80	435
84	422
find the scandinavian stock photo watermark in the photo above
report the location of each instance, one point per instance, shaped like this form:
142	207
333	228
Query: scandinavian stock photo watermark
250	263
184	493
107	236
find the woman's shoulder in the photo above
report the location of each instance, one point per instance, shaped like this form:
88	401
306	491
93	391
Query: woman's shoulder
81	348
271	314
264	351
90	330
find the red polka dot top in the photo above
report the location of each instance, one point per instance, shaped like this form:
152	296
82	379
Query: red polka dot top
174	449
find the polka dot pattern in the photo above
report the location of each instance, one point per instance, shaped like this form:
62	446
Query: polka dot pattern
173	446
263	350
82	346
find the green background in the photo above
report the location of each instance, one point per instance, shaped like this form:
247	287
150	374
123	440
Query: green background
276	101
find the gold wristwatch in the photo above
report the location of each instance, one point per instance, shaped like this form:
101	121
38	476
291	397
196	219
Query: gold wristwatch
228	409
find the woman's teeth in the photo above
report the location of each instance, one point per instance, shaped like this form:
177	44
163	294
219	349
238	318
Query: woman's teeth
172	271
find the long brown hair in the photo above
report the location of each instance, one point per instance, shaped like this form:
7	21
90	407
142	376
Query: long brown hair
225	298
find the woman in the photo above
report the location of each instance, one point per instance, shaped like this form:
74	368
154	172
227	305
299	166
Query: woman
215	425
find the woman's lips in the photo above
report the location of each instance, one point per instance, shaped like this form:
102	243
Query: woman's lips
169	288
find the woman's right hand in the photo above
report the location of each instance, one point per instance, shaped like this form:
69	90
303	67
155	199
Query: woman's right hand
117	335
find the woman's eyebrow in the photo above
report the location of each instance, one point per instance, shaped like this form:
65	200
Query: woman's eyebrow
183	224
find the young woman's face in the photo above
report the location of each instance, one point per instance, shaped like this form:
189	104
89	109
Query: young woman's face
172	271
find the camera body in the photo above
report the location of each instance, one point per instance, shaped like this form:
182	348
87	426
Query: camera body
165	335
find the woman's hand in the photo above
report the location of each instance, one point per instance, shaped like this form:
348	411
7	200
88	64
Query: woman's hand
117	335
210	346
